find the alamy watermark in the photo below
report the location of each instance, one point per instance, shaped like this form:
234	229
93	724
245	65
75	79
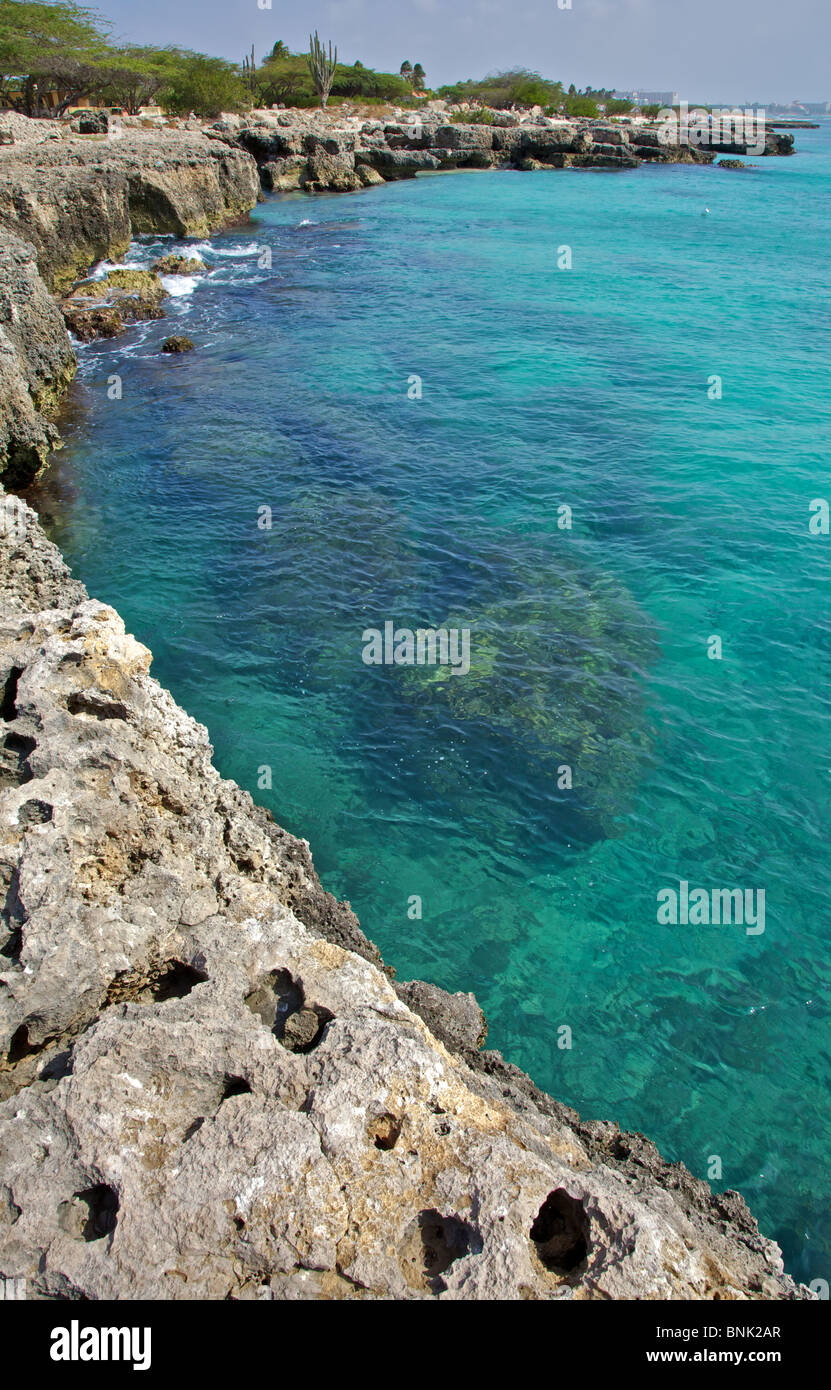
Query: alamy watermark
424	646
703	907
77	1343
721	126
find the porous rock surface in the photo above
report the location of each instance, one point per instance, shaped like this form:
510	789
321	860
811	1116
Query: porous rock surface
36	363
211	1085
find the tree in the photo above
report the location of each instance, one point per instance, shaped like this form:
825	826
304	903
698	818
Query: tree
518	87
418	78
584	106
356	81
322	67
285	79
206	86
279	50
136	75
618	106
406	70
50	55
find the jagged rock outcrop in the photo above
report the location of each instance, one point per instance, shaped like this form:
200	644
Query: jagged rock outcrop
102	308
78	203
212	1086
36	363
64	204
329	153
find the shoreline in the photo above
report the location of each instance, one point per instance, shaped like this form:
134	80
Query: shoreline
109	800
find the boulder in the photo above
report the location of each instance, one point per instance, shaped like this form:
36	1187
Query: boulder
178	343
333	173
463	138
281	175
102	308
79	202
91	122
398	164
180	265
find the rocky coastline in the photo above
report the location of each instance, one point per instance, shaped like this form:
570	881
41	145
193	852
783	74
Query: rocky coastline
211	1085
318	154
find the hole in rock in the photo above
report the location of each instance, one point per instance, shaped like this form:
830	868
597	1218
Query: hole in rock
193	1128
101	1202
96	705
20	1047
177	980
443	1240
173	979
280	1002
12	947
235	1086
15	751
8	700
560	1232
385	1130
34	812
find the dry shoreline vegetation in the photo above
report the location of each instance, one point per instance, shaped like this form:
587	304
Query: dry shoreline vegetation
189	1024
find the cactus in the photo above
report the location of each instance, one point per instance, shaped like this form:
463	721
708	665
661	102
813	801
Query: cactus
249	70
322	67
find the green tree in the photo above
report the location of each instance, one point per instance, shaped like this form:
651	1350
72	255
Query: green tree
406	70
358	82
284	79
136	75
205	86
581	106
618	106
418	78
517	87
51	55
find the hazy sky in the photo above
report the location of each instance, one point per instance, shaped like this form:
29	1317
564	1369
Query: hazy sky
706	50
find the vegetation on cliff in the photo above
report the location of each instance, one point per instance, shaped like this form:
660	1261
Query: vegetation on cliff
52	56
56	54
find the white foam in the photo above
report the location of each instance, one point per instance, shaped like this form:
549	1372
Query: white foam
103	268
179	285
205	248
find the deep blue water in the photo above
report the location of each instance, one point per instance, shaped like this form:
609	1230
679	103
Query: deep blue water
589	646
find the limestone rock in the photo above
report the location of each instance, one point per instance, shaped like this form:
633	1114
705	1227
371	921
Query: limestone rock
36	364
102	308
180	265
80	202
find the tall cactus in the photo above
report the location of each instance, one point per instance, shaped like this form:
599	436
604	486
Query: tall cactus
321	67
249	71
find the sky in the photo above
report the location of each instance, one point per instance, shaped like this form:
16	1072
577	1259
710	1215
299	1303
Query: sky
705	50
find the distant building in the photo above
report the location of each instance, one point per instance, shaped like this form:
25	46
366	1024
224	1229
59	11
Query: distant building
650	98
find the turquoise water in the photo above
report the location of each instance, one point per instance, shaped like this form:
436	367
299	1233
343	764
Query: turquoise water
589	646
